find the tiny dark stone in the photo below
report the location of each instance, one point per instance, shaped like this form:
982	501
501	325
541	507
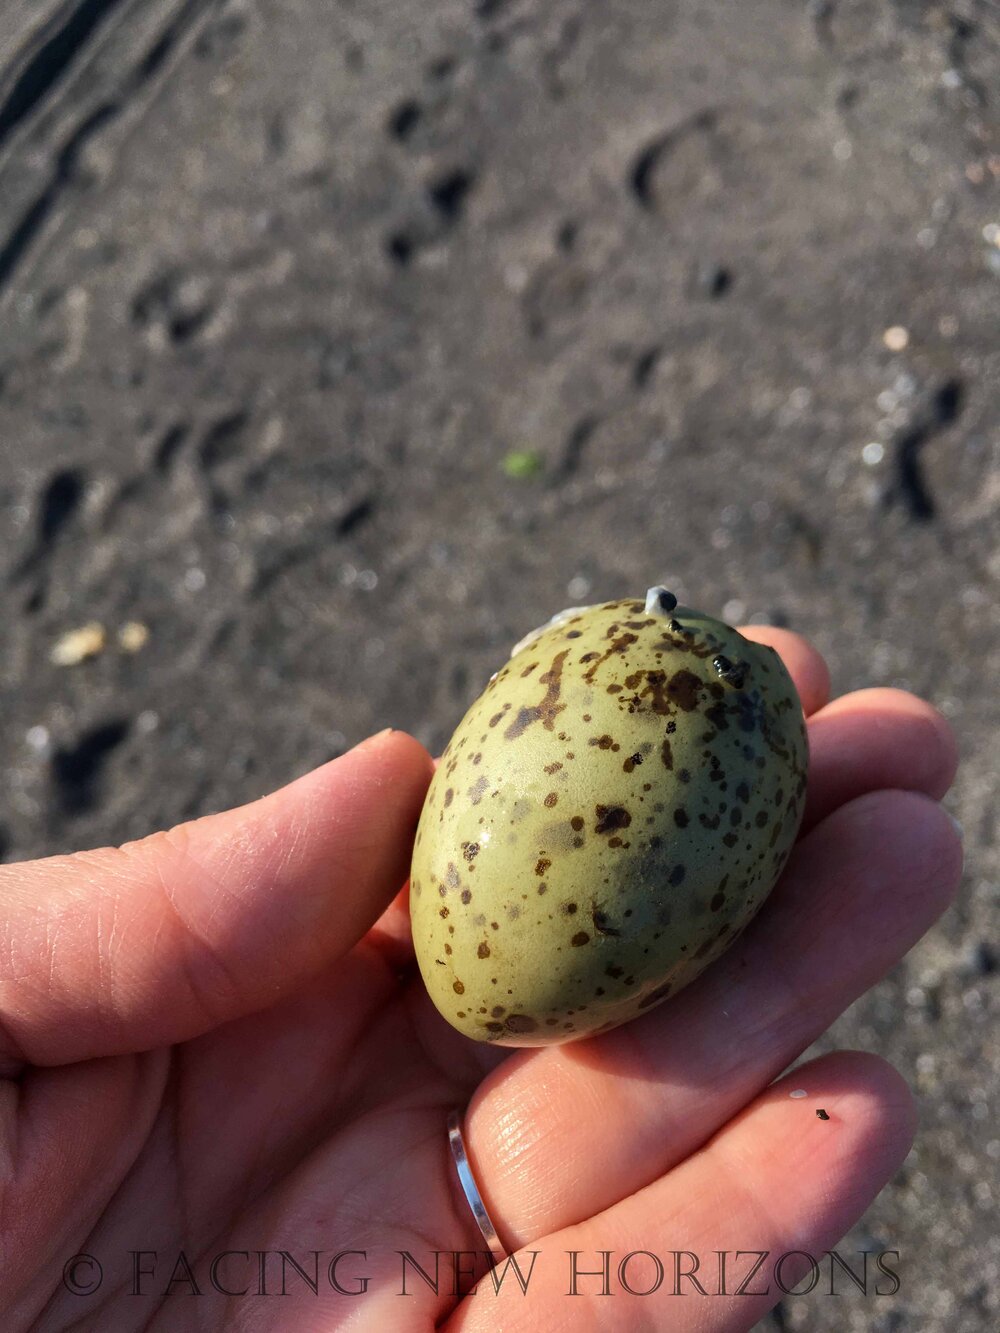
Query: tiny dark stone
602	923
821	1114
733	673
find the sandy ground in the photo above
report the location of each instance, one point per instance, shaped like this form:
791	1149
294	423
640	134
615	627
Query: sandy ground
284	286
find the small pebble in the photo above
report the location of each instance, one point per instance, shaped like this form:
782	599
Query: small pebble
821	1114
37	738
896	338
78	645
133	636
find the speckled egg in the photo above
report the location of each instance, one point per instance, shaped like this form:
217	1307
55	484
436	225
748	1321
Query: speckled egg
607	818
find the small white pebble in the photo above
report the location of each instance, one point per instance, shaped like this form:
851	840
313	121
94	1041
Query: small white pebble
896	338
873	453
799	1092
515	277
843	149
927	238
194	579
133	636
147	721
78	645
991	233
367	580
37	737
578	587
734	611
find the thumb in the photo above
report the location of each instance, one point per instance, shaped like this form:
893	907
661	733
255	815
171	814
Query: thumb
125	949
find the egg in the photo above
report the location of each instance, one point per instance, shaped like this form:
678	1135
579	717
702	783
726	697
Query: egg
607	818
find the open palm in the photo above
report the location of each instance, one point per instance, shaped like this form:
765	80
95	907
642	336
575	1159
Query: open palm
216	1048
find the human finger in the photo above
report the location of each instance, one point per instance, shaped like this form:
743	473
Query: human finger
125	949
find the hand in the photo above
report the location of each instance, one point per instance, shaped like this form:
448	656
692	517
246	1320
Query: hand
216	1040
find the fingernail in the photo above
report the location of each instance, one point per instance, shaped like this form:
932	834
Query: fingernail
378	736
958	827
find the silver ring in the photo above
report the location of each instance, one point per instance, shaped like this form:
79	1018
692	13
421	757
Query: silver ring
470	1189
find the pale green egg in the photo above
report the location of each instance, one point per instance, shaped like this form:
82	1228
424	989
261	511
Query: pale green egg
607	818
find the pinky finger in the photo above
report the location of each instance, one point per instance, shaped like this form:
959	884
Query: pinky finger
777	1179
